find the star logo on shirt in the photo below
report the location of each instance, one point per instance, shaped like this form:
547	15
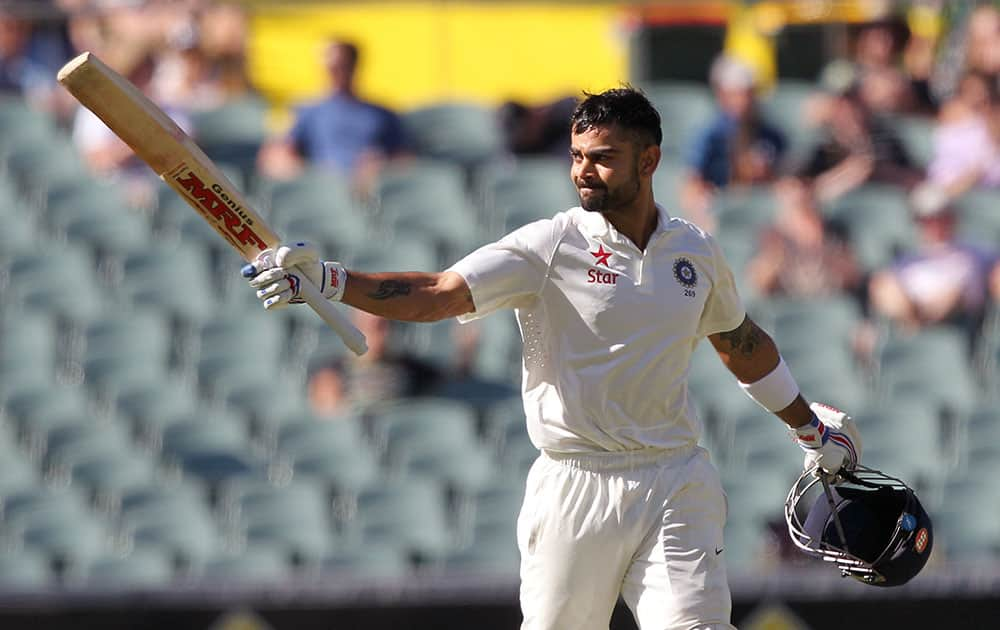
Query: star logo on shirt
601	256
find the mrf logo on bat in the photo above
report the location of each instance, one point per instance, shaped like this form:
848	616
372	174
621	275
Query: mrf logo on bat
215	204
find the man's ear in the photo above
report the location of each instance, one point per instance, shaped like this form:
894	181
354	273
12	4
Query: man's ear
649	159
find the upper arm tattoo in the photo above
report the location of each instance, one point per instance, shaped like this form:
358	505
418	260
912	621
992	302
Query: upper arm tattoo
389	289
744	339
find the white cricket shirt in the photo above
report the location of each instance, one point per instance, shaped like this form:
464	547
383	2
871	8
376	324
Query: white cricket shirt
608	329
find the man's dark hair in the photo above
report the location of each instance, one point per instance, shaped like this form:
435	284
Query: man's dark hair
626	107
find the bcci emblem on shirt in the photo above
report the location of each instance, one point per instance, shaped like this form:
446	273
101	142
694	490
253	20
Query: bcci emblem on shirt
685	273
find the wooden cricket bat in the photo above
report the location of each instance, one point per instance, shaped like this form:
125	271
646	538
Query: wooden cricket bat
174	156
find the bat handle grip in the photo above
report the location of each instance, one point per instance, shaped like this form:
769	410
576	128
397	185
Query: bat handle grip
349	334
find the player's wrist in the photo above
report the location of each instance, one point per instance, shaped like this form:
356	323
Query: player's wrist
776	390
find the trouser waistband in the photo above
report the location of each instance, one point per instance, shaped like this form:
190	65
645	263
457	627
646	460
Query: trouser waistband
621	460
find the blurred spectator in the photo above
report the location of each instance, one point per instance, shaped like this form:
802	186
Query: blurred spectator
737	148
945	281
967	138
382	373
802	254
27	64
537	129
855	148
104	152
982	42
184	73
341	132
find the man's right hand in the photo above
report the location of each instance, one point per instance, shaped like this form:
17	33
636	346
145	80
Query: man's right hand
831	441
277	274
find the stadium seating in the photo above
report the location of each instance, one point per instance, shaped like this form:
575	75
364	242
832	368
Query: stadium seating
465	134
131	371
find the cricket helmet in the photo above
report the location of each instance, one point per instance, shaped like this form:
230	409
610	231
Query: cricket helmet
871	525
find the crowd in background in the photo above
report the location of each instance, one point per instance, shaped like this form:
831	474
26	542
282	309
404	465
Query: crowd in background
190	56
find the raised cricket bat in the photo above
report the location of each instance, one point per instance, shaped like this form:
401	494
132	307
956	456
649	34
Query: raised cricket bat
174	156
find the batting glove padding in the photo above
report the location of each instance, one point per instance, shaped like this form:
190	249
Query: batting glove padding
831	440
277	275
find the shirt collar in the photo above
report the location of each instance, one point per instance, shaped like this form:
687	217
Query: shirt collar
595	225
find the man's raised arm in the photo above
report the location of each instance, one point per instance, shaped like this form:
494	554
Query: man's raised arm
411	296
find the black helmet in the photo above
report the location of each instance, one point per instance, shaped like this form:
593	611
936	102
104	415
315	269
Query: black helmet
869	524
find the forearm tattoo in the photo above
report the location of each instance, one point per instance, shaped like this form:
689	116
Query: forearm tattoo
744	339
389	289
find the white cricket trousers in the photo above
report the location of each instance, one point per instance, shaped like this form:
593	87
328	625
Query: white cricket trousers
647	525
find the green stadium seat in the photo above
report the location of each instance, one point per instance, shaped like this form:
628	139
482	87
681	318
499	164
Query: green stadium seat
22	407
149	406
745	209
497	503
317	206
158	276
254	335
209	431
233	132
16	471
498	354
520	191
219	465
685	108
19	228
240	120
878	222
177	527
441	421
40	281
294	517
517	455
462	133
253	565
427	199
27	343
108	474
978	219
412	253
933	365
36	429
761	441
667	181
72	443
463	469
24	570
42	163
962	535
408	512
21	124
130	334
487	556
906	438
69	540
139	569
259	396
382	562
305	433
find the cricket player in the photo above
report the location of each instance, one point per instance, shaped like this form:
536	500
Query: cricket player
611	296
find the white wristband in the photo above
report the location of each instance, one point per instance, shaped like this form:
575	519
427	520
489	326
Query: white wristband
775	391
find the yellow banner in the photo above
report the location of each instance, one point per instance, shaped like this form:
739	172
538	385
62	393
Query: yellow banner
416	53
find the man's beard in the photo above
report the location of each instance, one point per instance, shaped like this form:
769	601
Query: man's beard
603	199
